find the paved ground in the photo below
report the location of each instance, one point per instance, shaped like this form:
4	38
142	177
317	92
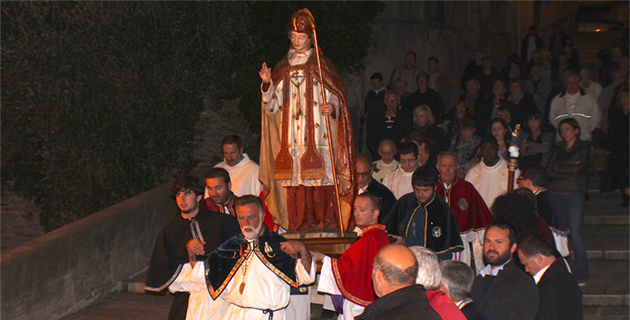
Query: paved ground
606	295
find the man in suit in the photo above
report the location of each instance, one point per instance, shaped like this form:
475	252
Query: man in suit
501	290
560	294
366	183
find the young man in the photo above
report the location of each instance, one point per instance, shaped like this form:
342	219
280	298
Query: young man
422	218
206	229
351	274
243	171
399	181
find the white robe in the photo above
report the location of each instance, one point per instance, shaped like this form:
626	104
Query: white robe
327	284
243	176
490	182
382	169
263	290
399	182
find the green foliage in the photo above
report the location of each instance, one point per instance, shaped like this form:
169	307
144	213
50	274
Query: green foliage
99	98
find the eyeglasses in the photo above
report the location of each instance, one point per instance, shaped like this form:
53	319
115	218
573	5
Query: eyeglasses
363	174
518	180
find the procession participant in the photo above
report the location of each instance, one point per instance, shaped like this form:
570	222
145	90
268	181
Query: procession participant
191	224
351	274
253	271
422	218
387	163
367	183
243	171
399	181
471	213
295	156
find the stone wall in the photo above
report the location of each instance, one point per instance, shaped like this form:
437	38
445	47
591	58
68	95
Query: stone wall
65	270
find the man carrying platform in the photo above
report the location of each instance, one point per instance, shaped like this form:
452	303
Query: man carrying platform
350	276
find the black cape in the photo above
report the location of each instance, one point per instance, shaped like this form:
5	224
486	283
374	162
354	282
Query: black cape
440	230
223	263
169	252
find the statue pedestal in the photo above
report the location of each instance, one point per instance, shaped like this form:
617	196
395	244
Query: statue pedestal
327	241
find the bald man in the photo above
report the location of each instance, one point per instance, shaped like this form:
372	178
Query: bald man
394	276
387	163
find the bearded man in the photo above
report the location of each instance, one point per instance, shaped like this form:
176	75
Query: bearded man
295	156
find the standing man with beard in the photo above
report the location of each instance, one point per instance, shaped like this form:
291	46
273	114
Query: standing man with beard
205	230
501	290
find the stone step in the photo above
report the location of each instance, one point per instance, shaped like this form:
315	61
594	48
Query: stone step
606	220
608	255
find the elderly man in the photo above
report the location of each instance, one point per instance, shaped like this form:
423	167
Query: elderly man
394	275
366	183
209	229
560	294
471	213
501	289
295	153
243	171
391	124
387	163
422	218
351	274
429	276
249	264
575	103
457	280
399	181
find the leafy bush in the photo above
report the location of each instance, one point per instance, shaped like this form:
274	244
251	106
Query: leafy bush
99	98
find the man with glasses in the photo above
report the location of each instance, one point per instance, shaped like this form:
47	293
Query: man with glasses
366	183
392	124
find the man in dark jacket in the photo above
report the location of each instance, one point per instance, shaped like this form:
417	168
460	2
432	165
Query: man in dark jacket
560	295
394	276
425	95
366	183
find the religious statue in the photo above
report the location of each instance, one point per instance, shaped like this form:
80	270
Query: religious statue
307	148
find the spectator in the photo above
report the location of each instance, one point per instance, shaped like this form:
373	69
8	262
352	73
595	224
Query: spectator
424	121
473	68
608	97
439	81
504	114
391	124
487	76
387	163
538	86
576	103
374	101
422	218
393	276
593	88
617	145
513	69
399	181
471	213
501	290
530	44
487	108
408	72
454	118
366	183
535	178
557	41
466	145
560	295
490	176
457	280
472	94
503	133
524	103
400	86
568	169
430	277
425	96
607	66
536	141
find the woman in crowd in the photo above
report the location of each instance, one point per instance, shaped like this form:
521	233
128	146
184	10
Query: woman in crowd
502	132
424	121
617	145
455	116
568	169
536	141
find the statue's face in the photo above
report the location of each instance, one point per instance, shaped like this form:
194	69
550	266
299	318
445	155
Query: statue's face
300	41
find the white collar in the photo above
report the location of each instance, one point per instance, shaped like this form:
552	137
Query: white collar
488	271
540	274
243	161
292	53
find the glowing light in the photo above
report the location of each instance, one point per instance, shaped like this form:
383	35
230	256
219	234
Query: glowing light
598	30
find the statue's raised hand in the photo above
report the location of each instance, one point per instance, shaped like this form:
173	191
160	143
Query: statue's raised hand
265	73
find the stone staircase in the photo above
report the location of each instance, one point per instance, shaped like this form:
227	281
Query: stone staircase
589	44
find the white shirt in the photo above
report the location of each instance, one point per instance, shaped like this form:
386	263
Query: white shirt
490	182
243	176
382	169
488	271
572	101
399	182
540	274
